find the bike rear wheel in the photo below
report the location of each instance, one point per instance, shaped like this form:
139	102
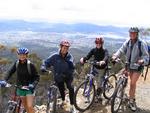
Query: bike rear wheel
117	98
52	101
84	96
10	109
109	86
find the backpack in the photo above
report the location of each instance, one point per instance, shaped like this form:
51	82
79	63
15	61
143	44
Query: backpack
140	51
140	54
139	46
149	53
28	66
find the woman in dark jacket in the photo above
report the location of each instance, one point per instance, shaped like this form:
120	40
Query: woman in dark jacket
63	66
27	76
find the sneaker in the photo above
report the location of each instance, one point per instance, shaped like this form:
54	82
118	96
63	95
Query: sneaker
98	99
63	104
99	91
132	105
72	109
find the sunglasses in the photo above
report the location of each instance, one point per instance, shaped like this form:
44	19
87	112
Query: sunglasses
98	43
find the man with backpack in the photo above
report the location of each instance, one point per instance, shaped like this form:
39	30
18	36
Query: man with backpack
137	56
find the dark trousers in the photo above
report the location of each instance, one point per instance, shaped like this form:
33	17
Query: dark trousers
61	86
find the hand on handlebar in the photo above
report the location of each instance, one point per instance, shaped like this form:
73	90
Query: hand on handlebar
102	63
82	60
31	86
43	69
140	62
3	83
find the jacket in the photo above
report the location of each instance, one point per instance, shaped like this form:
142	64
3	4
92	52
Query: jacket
132	53
62	67
99	55
24	78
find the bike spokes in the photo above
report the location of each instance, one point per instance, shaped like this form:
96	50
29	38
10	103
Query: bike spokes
117	99
109	86
84	96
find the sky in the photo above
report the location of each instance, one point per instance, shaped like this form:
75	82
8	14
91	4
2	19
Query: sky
102	12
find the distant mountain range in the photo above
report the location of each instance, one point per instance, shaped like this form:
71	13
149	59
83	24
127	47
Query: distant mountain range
43	38
21	25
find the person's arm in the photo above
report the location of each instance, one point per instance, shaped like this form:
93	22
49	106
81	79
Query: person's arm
47	63
10	72
122	50
36	76
106	55
71	65
71	62
145	55
89	55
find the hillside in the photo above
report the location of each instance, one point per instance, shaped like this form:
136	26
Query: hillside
21	25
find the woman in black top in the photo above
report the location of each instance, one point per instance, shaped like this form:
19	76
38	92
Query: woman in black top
27	76
99	54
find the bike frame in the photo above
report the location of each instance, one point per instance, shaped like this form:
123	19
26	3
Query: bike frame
95	73
15	102
50	90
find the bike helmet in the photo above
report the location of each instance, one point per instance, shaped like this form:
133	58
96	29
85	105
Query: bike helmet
65	43
134	29
22	51
99	40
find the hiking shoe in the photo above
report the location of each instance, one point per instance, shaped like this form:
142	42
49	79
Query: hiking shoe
63	104
132	105
98	99
72	109
99	91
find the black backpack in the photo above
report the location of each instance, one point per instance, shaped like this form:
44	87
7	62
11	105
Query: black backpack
149	53
28	66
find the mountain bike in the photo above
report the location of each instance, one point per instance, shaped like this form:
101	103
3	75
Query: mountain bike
52	96
14	104
85	93
119	96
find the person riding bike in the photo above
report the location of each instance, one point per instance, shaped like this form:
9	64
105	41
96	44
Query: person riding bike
135	60
100	55
24	78
63	66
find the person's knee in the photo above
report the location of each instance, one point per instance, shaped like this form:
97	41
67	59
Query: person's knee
133	84
70	87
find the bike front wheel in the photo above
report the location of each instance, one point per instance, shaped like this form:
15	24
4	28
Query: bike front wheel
84	96
117	98
109	86
52	101
10	109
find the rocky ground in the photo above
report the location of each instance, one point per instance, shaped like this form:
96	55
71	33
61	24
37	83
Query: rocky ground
142	98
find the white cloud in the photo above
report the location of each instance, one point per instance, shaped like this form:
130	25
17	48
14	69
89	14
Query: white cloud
112	12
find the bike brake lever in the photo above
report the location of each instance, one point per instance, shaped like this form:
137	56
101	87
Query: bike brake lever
8	85
25	87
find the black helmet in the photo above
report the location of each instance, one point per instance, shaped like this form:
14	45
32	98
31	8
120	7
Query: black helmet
134	29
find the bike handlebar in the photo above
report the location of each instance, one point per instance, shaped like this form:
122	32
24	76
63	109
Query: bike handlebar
92	62
49	72
16	86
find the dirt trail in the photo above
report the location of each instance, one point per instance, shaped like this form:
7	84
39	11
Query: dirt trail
142	99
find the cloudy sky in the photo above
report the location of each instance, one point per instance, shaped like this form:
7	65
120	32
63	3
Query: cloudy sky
106	12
